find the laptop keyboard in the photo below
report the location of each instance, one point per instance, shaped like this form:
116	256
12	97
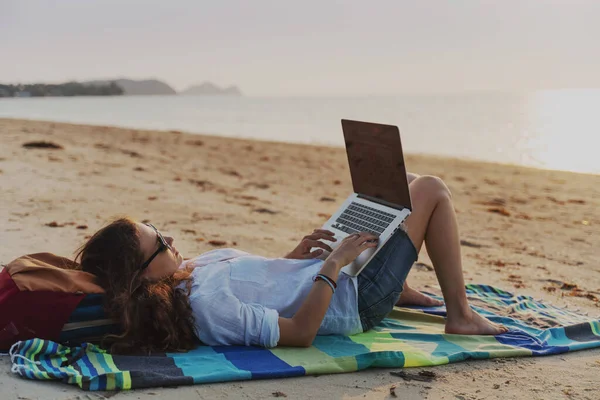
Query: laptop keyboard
360	218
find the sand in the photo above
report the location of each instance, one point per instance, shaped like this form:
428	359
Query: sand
524	230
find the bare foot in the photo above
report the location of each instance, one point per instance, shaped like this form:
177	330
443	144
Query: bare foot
412	297
474	324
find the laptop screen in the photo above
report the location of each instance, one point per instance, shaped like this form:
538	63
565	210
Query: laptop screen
376	161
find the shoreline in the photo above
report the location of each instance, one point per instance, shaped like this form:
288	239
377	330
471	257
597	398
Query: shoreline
320	145
526	227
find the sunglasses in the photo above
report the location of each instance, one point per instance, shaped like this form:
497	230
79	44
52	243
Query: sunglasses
162	246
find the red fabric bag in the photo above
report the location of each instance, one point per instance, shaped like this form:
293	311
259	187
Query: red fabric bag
38	294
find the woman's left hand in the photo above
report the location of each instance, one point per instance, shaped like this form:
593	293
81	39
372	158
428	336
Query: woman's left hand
302	251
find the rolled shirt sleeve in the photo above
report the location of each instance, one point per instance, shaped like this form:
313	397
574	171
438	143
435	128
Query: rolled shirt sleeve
222	319
269	334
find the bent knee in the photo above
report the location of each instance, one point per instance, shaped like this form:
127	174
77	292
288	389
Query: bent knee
433	185
411	177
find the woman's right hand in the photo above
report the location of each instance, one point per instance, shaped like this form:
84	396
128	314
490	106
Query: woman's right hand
351	247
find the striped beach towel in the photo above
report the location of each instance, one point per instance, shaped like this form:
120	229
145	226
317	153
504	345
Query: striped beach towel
408	338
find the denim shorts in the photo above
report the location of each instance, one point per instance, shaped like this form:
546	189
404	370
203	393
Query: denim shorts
380	283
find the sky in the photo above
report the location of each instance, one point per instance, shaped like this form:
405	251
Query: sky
306	48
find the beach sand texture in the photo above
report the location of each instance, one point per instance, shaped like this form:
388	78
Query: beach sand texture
524	230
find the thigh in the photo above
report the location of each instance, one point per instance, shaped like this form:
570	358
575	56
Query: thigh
380	283
425	193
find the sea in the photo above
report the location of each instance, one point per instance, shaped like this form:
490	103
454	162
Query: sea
552	129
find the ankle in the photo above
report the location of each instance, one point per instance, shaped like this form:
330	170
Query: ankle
461	313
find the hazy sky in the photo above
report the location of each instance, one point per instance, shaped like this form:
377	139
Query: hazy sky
306	47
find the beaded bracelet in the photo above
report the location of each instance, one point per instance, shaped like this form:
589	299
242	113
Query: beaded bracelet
326	279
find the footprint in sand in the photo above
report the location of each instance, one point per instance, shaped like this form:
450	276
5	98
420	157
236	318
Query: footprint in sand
257	185
203	184
42	145
467	243
231	172
499	210
265	211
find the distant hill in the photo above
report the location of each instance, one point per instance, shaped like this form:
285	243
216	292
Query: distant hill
210	89
144	87
61	89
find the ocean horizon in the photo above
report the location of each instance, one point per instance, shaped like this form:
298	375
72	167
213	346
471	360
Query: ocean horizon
551	129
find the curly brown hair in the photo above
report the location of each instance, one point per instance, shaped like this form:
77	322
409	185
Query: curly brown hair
153	316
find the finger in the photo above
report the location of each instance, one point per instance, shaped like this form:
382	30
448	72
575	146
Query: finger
367	236
363	240
316	243
365	233
351	237
369	243
315	254
321	235
325	231
374	242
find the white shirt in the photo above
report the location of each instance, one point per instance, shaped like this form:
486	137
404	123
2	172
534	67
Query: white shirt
237	298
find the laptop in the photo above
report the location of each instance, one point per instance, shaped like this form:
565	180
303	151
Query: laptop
381	198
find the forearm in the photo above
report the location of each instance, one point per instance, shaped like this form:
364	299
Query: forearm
301	329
